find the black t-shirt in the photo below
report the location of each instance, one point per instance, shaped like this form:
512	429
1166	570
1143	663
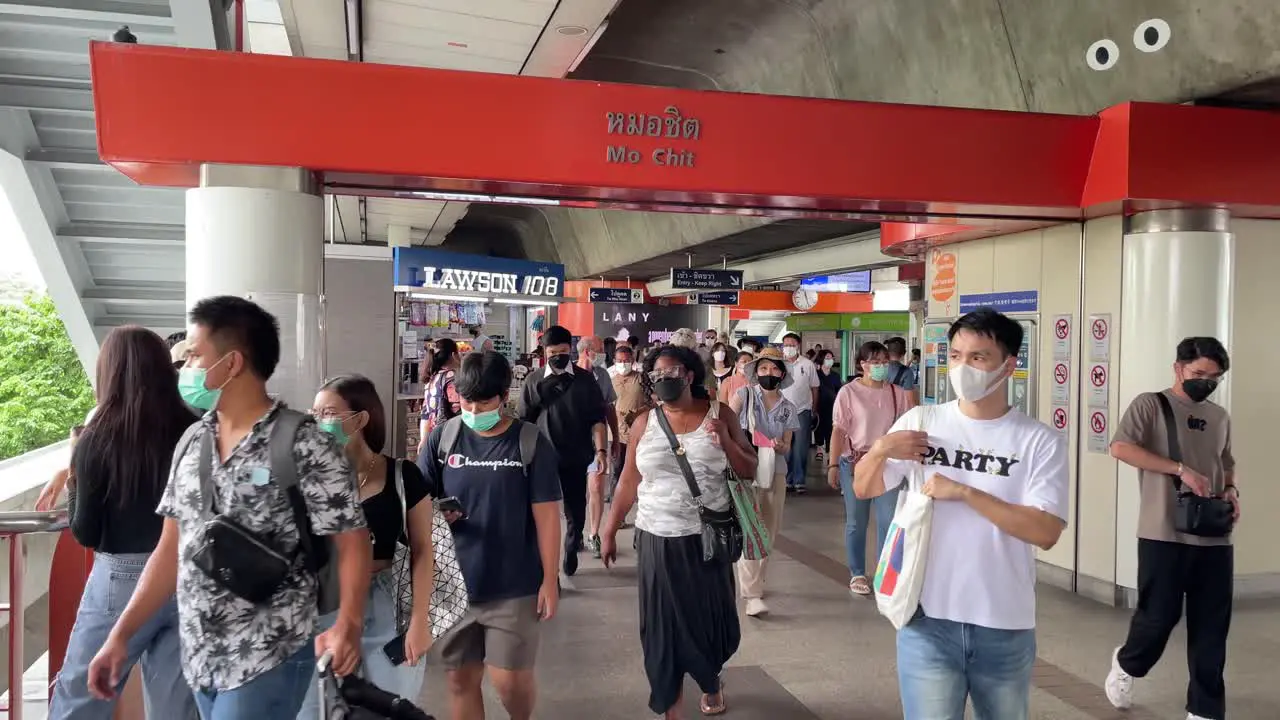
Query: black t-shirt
497	542
565	407
382	511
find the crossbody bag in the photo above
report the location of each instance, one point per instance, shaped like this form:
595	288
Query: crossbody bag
1212	516
721	532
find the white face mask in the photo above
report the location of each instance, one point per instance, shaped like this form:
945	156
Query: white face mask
790	352
623	368
718	355
828	363
972	384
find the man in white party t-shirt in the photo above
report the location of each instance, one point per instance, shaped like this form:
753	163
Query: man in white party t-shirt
999	481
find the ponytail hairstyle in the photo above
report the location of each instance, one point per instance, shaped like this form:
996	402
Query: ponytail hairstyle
438	358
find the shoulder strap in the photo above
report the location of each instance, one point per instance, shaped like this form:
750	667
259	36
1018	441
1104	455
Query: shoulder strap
751	413
897	377
404	508
284	470
678	450
528	444
893	393
1171	432
449	432
206	474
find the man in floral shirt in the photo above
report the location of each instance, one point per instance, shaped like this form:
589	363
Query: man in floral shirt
246	660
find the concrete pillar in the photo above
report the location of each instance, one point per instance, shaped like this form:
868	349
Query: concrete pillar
258	232
1176	283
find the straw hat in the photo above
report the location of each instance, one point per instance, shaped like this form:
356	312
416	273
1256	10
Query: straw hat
774	355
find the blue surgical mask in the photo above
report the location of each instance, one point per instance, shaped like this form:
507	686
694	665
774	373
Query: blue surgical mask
482	421
193	389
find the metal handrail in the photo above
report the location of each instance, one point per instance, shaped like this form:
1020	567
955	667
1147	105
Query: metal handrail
13	526
22	522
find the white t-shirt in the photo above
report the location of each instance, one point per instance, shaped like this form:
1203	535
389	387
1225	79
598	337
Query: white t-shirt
976	573
804	378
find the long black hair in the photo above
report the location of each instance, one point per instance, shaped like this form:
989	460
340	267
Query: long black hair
438	358
139	420
691	362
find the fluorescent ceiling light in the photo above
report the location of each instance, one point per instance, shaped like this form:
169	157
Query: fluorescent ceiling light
354	45
473	197
451	298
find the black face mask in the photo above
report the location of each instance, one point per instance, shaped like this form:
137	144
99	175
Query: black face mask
669	389
770	382
560	361
1199	389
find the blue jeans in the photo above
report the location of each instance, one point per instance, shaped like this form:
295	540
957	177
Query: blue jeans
166	695
798	458
857	513
941	663
277	693
379	629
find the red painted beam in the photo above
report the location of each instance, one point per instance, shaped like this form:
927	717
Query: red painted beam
401	127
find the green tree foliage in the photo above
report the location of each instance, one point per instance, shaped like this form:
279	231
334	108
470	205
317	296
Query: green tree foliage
43	389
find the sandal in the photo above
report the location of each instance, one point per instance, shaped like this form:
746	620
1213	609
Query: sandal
860	586
719	708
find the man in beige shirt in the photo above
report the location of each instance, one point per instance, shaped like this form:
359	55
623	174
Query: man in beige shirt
631	403
1174	566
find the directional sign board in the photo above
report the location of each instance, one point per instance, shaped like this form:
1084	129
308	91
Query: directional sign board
726	297
694	279
616	295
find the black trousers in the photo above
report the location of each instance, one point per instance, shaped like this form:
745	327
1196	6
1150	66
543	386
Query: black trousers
1168	574
573	483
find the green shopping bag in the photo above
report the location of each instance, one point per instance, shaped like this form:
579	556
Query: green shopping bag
755	539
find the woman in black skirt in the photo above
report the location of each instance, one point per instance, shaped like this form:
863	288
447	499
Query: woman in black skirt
688	615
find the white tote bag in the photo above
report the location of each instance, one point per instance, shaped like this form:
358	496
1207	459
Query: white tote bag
900	572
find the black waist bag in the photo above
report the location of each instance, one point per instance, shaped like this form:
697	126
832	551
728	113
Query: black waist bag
237	559
1192	514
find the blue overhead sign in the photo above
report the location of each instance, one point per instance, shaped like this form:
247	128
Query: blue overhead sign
616	295
480	274
855	282
728	297
693	279
1005	302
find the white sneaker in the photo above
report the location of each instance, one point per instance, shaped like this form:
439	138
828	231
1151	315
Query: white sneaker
1119	685
1193	716
756	607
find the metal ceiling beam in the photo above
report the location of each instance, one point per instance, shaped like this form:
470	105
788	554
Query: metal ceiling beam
153	235
68	159
24	203
32	97
125	13
149	321
133	293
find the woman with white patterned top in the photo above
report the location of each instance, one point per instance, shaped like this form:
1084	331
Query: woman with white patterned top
688	615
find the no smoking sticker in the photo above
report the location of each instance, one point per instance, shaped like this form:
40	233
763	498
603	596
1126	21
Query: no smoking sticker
1060	373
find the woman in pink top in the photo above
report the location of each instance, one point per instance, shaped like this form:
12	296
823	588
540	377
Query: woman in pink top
865	410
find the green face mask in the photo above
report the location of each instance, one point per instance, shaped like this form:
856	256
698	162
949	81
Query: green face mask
482	421
334	428
191	386
879	372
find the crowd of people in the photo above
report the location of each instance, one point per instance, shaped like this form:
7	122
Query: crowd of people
239	541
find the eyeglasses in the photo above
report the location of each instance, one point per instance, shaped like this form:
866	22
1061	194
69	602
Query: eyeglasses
329	414
671	372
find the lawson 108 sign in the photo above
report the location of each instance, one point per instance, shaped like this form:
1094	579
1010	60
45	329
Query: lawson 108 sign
461	273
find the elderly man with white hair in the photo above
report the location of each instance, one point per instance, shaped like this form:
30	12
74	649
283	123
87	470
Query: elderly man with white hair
591	358
686	338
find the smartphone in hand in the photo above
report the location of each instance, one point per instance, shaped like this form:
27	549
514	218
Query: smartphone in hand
451	505
394	650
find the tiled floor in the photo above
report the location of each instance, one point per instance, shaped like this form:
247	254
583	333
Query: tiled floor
824	654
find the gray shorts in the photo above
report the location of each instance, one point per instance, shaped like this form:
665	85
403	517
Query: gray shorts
502	633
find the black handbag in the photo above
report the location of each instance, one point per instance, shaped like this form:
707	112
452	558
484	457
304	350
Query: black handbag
721	532
1212	516
235	558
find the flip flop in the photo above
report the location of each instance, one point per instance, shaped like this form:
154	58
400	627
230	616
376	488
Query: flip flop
719	709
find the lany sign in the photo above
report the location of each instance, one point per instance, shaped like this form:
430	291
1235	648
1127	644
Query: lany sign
476	274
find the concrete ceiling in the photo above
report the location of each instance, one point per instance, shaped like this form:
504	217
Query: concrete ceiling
996	54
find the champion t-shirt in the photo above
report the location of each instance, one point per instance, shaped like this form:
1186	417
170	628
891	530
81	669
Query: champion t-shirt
976	573
497	542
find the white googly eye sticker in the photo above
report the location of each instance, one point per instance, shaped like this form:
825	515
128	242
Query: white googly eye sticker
1152	35
1102	55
